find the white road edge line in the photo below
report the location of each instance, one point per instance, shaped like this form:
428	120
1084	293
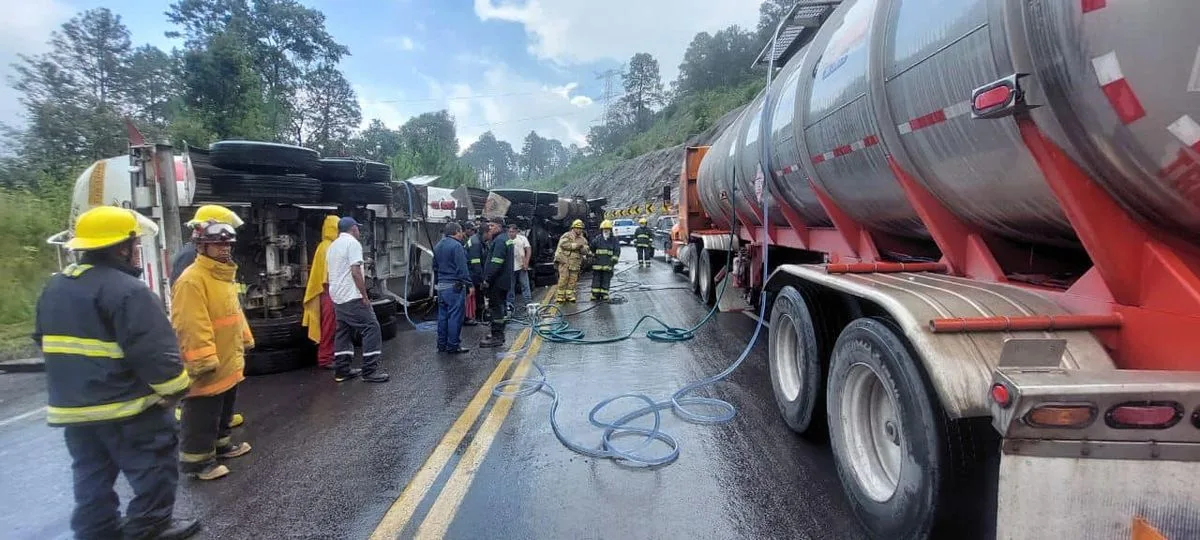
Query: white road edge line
21	416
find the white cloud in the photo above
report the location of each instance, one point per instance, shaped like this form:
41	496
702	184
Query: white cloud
24	29
403	43
573	32
503	101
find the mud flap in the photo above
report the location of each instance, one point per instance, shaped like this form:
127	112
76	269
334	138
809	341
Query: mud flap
1096	499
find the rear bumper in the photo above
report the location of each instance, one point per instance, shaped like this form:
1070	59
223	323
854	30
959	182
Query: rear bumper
1095	499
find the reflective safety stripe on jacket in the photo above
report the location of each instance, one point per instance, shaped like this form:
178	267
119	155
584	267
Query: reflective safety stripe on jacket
642	236
606	252
475	248
110	351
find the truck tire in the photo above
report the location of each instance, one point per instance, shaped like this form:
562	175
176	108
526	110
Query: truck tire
388	328
269	361
889	435
704	278
264	187
354	170
275	333
797	377
264	157
349	193
384	309
693	272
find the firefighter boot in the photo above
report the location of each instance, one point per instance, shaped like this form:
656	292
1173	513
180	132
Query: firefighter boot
491	341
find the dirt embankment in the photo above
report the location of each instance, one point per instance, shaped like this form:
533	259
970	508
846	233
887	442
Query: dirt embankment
640	180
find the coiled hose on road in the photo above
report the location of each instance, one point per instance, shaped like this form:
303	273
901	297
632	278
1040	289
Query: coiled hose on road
550	323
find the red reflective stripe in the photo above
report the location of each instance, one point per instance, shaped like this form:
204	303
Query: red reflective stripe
870	141
842	150
1093	5
819	158
922	122
1126	104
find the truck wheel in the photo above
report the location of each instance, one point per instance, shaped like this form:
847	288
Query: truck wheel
385	308
388	328
268	361
256	187
887	433
348	193
264	157
276	333
693	272
795	359
704	278
353	170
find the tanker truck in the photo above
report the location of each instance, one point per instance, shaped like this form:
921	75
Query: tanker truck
974	226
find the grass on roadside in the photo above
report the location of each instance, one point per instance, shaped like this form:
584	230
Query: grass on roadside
26	261
14	341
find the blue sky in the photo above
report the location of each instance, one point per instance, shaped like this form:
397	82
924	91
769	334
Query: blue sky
507	65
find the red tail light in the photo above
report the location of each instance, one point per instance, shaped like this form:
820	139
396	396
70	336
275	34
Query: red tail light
993	98
1144	415
1001	395
1061	415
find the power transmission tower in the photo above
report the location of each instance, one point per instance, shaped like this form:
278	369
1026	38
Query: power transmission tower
610	90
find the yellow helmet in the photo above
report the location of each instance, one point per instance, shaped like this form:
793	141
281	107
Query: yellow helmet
217	213
606	224
106	226
642	221
577	224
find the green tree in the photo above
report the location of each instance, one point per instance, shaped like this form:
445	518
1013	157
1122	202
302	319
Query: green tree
717	61
769	14
493	160
643	89
152	91
222	91
377	142
328	111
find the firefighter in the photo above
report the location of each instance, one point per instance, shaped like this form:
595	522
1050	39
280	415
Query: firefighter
641	240
607	251
113	375
318	307
497	279
568	259
475	249
213	338
187	255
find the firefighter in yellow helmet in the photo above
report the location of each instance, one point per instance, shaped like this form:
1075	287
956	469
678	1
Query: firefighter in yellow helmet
568	259
113	374
607	250
641	241
213	338
187	256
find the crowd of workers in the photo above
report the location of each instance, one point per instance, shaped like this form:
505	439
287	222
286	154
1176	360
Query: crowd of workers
151	394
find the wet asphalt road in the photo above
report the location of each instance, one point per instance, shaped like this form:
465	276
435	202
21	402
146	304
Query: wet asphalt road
333	461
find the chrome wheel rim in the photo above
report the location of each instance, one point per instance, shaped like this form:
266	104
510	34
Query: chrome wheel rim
872	433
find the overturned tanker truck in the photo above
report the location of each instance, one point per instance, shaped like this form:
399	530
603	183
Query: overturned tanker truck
975	227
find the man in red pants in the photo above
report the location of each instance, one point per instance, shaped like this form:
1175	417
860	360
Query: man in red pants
318	306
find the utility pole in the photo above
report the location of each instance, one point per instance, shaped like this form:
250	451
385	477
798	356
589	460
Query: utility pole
610	90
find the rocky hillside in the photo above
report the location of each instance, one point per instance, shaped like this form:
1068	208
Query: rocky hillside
641	179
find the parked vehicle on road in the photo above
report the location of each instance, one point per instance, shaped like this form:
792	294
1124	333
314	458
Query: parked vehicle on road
979	256
624	229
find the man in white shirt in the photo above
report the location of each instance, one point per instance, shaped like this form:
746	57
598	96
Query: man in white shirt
352	306
522	253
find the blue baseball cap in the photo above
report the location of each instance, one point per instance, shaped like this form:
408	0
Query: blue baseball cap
346	223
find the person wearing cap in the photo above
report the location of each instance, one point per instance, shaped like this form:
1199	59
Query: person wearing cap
213	339
451	281
113	375
642	240
568	259
476	245
352	306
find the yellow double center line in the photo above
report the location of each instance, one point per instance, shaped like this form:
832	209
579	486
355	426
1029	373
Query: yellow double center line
455	489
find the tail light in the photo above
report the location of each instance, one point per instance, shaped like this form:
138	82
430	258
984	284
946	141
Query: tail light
1144	415
1061	415
1001	395
995	97
999	99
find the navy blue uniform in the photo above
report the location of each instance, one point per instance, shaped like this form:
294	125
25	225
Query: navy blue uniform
606	252
183	259
112	361
498	274
642	240
451	279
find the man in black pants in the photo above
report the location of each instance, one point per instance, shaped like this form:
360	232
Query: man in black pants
497	279
642	240
476	248
348	290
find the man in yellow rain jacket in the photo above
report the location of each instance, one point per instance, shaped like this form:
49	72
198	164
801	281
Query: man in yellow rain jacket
213	337
568	259
318	307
